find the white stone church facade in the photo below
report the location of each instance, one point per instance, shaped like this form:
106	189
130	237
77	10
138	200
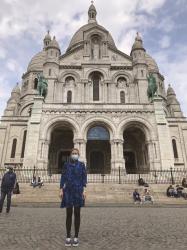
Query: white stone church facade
97	102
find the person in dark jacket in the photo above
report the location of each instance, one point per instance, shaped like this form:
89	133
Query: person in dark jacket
7	186
136	196
72	191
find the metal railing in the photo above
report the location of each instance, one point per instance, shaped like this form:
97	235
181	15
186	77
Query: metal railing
170	176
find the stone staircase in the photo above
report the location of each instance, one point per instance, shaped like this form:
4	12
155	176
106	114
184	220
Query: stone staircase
97	193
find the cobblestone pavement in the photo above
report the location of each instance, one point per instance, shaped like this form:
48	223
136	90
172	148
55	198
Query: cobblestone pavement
101	228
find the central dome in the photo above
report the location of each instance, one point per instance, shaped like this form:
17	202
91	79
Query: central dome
78	37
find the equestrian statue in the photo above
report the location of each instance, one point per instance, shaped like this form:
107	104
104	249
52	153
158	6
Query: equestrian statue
152	86
42	85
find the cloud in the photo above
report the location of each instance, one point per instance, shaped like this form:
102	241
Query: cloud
165	42
13	66
3	53
23	25
150	6
166	24
175	73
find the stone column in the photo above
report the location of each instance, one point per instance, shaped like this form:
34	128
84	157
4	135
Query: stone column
81	145
166	154
43	161
150	154
113	154
32	142
120	158
105	99
117	159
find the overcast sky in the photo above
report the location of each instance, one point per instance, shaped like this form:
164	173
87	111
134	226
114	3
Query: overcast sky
161	23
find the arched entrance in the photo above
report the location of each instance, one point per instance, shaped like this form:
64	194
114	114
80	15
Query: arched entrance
135	150
98	151
60	147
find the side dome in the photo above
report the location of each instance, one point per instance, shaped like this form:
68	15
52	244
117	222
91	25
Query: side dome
37	61
78	37
16	89
54	44
152	65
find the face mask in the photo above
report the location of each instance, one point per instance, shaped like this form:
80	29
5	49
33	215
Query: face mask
75	157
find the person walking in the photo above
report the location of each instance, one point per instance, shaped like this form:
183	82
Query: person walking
72	191
7	185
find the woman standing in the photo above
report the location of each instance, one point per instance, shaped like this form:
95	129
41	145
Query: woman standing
72	191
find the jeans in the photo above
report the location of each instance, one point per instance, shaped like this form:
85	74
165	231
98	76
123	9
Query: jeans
5	193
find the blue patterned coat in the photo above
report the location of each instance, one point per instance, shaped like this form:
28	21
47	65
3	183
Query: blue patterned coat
73	180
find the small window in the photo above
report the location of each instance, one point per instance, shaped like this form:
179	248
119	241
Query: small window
23	144
122	97
49	72
175	152
13	151
51	52
142	72
35	83
69	96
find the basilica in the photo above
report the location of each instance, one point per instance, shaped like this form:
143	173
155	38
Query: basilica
96	101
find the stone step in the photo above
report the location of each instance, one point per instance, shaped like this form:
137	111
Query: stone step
96	193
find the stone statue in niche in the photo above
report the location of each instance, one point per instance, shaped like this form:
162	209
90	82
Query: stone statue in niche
25	85
122	82
114	57
77	57
70	81
96	49
86	47
105	48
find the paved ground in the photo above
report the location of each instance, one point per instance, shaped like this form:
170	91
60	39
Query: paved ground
101	228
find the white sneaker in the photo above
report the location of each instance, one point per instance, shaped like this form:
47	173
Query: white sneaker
75	242
68	242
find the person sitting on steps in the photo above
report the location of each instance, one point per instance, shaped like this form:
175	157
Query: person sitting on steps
136	196
147	197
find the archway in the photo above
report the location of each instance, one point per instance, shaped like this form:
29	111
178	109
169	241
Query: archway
98	151
135	150
60	147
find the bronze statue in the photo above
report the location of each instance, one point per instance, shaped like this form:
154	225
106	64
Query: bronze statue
152	86
42	85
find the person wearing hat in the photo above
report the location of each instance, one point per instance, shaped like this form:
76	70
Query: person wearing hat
72	192
7	185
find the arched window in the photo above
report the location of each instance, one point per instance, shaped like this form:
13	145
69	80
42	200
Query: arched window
23	144
69	96
35	83
13	151
122	96
96	80
70	81
49	72
98	133
174	144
